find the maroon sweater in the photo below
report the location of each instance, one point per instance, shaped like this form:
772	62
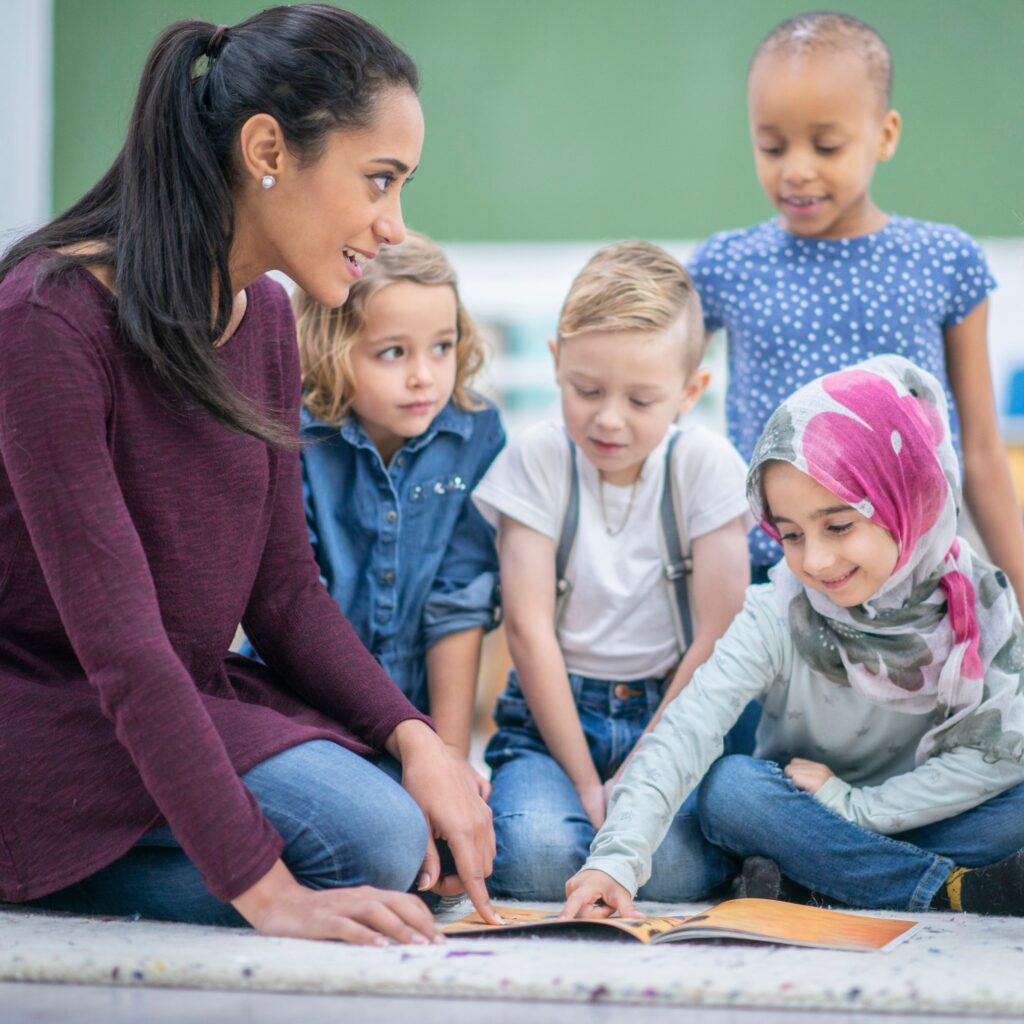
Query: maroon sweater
135	533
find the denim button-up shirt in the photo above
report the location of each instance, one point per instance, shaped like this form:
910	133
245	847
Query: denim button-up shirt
401	548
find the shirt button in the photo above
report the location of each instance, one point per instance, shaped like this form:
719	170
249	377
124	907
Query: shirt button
389	577
391	516
623	691
400	461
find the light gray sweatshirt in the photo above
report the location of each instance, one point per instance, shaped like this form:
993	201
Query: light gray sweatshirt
871	749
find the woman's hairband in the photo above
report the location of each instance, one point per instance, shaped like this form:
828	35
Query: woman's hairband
217	41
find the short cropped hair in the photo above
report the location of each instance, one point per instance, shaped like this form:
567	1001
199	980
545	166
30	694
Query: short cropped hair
326	336
634	286
831	32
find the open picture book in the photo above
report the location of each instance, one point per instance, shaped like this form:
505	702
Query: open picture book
770	921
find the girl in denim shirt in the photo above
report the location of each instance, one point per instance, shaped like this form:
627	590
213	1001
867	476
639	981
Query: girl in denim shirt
396	444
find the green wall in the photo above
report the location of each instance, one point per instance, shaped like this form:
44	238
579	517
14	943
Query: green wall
592	119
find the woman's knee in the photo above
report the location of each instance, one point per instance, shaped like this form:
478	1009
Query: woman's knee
394	847
339	850
344	821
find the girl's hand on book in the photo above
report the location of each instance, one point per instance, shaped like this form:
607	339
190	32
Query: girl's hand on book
809	776
279	905
594	894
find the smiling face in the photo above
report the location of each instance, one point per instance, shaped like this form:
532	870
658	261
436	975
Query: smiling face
819	128
829	546
621	390
403	363
322	219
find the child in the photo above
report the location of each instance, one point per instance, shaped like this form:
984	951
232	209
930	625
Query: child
400	443
834	279
583	688
891	662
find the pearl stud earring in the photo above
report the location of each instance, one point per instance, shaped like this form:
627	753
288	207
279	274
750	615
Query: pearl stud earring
268	181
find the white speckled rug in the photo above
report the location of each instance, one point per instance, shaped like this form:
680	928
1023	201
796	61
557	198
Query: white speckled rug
953	965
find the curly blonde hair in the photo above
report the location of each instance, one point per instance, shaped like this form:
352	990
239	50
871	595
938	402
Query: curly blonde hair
326	336
634	286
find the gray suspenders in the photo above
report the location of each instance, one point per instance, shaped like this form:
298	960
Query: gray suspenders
677	564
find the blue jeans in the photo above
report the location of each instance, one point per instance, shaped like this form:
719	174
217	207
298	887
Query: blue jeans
344	821
542	831
749	808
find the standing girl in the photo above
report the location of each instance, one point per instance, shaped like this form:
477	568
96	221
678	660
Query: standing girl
890	757
834	279
401	442
150	499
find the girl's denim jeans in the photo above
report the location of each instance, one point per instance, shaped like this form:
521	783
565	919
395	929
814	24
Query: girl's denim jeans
749	807
543	834
344	821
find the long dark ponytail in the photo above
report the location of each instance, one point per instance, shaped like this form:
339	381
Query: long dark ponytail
163	215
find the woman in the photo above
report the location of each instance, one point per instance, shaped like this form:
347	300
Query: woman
150	500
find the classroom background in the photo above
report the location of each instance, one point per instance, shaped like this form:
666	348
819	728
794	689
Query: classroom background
557	125
554	126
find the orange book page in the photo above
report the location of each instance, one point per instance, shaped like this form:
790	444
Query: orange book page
800	925
765	920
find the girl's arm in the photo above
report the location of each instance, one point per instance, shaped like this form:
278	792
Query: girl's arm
988	485
464	602
453	664
942	787
721	575
527	560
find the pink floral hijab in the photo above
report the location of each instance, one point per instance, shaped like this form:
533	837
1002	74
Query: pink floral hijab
943	635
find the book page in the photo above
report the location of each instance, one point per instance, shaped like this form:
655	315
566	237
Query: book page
522	918
744	919
794	924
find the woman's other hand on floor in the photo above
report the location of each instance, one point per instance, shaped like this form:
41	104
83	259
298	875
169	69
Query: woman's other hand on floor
279	905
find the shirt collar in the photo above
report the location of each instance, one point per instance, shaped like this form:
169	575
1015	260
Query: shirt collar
450	419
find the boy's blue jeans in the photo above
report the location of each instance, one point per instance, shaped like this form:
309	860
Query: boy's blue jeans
543	834
345	821
748	807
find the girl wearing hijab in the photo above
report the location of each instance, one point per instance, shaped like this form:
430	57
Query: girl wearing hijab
890	660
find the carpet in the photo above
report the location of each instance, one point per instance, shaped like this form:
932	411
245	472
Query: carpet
955	964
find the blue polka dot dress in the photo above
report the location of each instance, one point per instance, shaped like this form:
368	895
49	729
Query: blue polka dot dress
796	308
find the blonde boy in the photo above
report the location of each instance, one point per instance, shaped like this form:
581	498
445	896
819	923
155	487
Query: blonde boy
583	690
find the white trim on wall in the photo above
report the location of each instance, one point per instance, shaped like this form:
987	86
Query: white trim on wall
26	113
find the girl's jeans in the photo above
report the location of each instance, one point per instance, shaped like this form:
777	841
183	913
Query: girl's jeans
748	807
542	832
343	819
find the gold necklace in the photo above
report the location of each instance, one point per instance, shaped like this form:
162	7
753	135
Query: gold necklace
629	507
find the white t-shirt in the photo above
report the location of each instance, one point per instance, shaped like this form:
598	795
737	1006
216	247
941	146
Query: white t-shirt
618	618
